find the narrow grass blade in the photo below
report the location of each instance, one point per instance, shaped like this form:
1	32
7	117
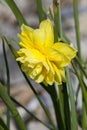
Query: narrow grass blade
57	20
81	67
40	9
4	96
65	105
77	26
8	81
73	115
82	85
3	126
56	105
61	102
16	11
56	31
84	117
31	114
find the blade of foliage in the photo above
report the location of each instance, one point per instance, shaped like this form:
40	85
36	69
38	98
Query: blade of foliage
8	81
4	96
40	9
66	38
55	100
77	93
73	115
77	27
41	103
59	20
3	125
16	11
84	117
31	114
64	100
81	67
56	104
55	10
61	101
82	85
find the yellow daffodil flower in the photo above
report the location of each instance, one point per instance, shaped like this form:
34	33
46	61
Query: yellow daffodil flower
42	59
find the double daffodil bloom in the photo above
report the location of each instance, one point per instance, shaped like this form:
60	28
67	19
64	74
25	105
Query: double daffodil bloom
42	59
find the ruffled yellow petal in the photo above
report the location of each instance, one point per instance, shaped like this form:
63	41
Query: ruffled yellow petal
27	31
40	78
33	56
26	36
65	49
24	42
49	79
39	36
57	57
58	78
48	28
27	69
62	73
36	71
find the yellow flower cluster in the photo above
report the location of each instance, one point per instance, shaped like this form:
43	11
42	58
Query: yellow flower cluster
42	59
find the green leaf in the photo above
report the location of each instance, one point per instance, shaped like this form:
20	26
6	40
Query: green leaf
65	107
12	5
73	115
56	105
40	9
3	125
81	67
4	96
77	27
11	47
84	117
31	114
82	85
8	81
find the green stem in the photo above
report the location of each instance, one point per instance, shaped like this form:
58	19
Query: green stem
16	11
77	27
74	125
41	103
4	96
61	101
84	117
3	126
40	9
66	38
84	94
65	105
7	68
55	10
81	67
8	82
82	84
55	100
59	20
77	93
